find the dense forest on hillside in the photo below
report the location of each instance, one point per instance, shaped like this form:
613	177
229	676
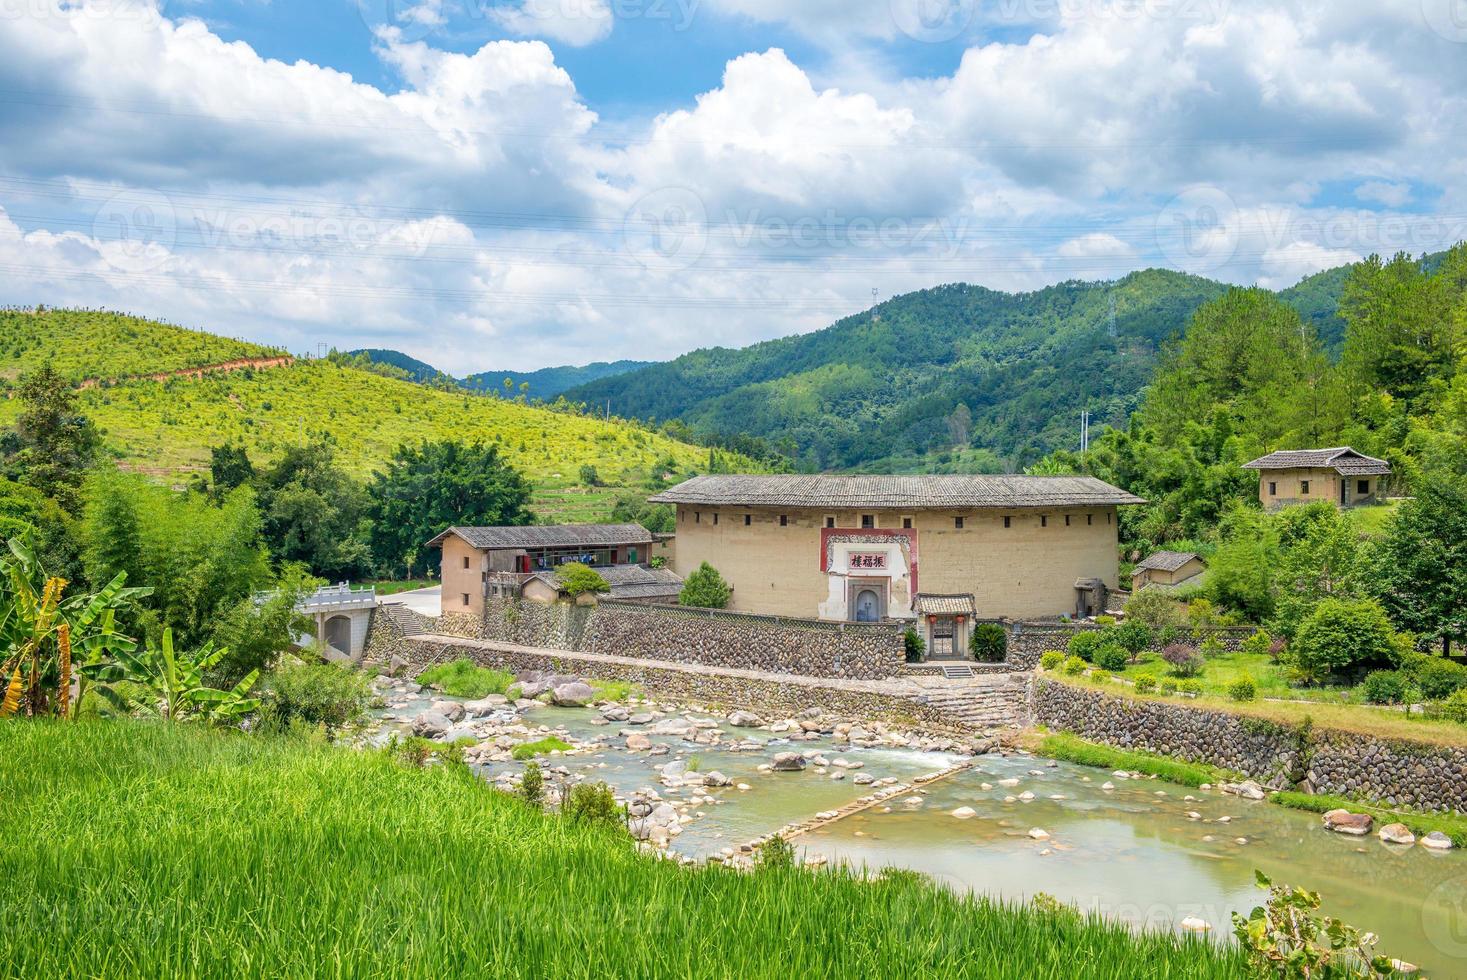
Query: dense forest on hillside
83	344
545	384
1252	376
948	367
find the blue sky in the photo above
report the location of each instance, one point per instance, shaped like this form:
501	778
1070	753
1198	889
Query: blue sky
517	183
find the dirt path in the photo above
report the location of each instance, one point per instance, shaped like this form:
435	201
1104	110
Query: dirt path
223	367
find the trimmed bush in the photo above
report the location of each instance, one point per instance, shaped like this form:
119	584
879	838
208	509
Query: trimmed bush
705	588
1112	657
1454	708
1344	633
1439	678
1085	643
1190	686
1100	677
989	643
1167	686
1383	687
1243	689
577	578
1145	683
1259	644
1132	636
1074	665
1050	659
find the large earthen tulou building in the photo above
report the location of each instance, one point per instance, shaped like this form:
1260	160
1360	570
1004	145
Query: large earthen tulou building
942	551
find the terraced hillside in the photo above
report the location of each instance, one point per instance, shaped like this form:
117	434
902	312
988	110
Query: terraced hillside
86	344
166	428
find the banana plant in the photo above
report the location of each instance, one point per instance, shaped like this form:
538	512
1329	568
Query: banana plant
174	683
43	634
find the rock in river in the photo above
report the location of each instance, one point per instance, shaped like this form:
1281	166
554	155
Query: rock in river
1397	833
788	762
451	710
637	742
1345	822
745	719
1437	841
573	695
430	724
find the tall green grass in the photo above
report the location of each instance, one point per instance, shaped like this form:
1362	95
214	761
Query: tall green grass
462	678
1068	748
139	850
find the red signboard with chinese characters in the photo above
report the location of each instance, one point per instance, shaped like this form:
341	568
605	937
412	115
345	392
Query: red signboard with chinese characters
868	561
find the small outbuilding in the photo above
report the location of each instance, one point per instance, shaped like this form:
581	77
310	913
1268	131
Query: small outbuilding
1304	476
1166	568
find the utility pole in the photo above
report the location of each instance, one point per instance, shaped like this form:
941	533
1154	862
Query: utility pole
1084	435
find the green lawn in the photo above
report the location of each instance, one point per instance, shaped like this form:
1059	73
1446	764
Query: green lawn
394	586
1360	718
1372	520
137	849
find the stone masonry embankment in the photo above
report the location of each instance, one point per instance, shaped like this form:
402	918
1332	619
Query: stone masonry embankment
1366	767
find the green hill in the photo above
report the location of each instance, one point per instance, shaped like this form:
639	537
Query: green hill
417	370
84	344
549	383
166	428
882	389
955	377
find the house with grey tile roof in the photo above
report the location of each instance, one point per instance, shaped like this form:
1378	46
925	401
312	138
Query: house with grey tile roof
937	553
1339	475
1166	569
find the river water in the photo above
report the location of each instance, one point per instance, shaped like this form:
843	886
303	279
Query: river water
1131	852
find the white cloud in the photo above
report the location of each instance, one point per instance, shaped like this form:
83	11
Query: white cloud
575	22
1392	195
478	220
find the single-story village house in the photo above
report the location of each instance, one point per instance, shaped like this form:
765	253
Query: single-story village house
479	562
1302	476
1166	569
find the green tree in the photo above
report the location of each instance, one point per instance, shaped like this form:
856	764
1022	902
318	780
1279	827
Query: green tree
577	578
589	476
315	513
200	558
1319	557
26	512
229	467
1342	635
1396	337
256	632
435	485
1418	570
705	588
1241	572
56	443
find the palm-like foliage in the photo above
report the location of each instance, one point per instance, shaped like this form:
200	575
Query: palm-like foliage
174	682
42	632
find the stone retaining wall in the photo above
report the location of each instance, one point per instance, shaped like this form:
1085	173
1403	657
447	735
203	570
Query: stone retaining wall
690	636
1398	772
769	696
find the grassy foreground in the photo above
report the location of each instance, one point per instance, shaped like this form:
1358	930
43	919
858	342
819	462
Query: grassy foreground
138	850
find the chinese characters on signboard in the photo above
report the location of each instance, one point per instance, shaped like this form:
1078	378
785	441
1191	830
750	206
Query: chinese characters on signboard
868	560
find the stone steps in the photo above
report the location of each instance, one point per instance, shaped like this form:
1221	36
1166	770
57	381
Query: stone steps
406	622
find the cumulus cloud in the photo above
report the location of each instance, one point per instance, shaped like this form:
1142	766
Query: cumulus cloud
574	22
473	214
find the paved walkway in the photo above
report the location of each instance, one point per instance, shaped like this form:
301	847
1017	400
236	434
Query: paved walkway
424	602
901	686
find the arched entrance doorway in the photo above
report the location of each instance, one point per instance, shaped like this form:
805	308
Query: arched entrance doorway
868	606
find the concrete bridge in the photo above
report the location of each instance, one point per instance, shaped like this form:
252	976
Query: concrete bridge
342	616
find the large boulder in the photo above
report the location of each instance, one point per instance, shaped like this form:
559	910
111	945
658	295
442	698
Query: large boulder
787	762
486	705
716	778
431	724
615	712
452	710
575	694
637	742
745	719
1396	833
1345	822
1248	790
1437	841
533	689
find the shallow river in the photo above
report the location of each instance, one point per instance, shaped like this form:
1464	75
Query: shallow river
1131	852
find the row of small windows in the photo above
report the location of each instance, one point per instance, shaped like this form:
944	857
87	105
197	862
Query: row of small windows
1362	488
868	521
